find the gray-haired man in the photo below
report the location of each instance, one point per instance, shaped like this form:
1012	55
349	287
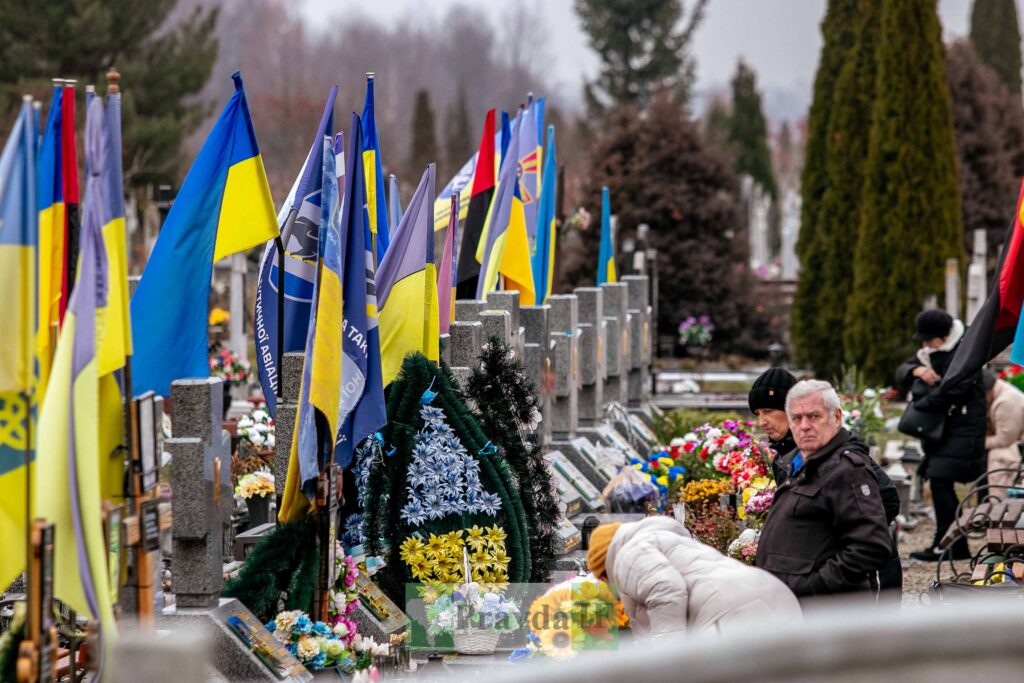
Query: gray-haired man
826	532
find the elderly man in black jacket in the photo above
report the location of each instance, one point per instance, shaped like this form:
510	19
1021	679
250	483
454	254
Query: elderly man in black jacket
826	532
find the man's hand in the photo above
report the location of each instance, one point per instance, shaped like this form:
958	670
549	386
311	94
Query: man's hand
927	375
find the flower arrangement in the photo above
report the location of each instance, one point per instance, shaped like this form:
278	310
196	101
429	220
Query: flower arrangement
1014	375
755	501
312	642
713	525
257	429
439	558
229	366
744	548
701	492
696	331
664	473
471	607
443	479
344	596
258	483
863	406
576	615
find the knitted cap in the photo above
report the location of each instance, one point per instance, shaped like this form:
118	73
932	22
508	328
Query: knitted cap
600	539
770	389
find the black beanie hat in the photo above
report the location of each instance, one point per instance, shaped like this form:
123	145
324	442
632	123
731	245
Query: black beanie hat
770	389
933	324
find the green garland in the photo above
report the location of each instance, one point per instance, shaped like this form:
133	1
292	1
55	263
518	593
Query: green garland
501	385
284	561
386	488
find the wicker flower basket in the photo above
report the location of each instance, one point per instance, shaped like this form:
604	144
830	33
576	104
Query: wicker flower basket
475	641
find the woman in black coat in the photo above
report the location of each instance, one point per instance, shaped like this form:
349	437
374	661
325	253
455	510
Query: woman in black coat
959	456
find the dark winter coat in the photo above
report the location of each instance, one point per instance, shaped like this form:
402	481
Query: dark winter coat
826	531
960	453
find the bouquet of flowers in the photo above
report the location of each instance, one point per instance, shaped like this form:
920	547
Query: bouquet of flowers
702	492
576	615
696	331
218	316
229	366
755	501
664	473
713	525
744	548
312	642
471	607
258	483
344	596
257	429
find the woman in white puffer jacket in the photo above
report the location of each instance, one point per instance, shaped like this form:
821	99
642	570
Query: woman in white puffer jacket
670	582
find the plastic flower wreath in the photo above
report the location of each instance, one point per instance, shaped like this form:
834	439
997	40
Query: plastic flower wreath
313	643
344	597
258	483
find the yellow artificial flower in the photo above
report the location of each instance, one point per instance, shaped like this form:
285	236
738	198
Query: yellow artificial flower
499	558
495	535
454	540
475	537
411	549
663	480
557	643
667	462
218	316
436	547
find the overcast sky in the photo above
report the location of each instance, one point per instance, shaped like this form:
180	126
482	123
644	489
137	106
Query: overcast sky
779	38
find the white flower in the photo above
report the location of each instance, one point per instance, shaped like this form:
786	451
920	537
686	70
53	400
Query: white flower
713	433
870	393
309	648
285	621
340	629
679	441
730	443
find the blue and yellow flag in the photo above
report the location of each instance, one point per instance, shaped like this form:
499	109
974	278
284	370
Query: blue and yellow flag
531	162
504	247
51	257
68	492
363	410
547	231
606	254
373	169
407	285
18	241
394	202
223	207
317	420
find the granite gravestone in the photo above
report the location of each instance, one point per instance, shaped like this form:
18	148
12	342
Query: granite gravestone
284	421
638	387
509	301
496	325
563	328
466	342
590	403
537	361
468	310
615	307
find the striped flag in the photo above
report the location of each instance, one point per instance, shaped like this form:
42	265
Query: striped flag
373	169
446	270
547	231
606	253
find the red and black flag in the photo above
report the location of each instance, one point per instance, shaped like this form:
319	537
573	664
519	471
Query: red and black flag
998	321
468	270
69	168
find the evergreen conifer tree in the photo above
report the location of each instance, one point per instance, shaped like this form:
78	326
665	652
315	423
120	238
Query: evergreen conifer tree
837	30
458	141
716	124
163	66
988	124
995	36
910	207
748	132
845	151
642	51
423	145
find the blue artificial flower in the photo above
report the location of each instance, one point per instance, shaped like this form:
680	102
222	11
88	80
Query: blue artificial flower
318	662
293	648
432	415
635	461
490	503
413	513
322	630
271	625
303	625
519	654
433	506
676	471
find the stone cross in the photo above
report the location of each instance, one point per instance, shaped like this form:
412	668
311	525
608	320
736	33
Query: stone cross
284	421
468	310
509	301
466	342
976	286
496	324
638	388
563	326
953	287
592	349
616	316
201	480
537	361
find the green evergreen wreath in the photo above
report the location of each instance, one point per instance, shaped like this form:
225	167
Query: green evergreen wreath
506	401
284	561
419	383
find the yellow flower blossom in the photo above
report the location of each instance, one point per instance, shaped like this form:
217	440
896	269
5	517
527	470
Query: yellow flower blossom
436	547
475	537
495	535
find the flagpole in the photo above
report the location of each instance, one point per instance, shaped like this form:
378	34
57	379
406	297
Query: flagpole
279	243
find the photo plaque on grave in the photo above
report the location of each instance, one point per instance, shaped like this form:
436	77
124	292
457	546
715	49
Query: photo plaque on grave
149	442
591	496
595	457
149	514
641	430
569	537
567	494
612	438
262	643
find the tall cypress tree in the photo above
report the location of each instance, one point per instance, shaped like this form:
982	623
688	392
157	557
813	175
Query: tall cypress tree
846	148
423	146
163	65
995	36
910	208
837	30
748	132
458	137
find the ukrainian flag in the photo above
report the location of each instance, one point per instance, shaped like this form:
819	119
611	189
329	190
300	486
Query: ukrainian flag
18	240
504	247
373	170
223	207
68	490
606	254
407	285
52	238
547	231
